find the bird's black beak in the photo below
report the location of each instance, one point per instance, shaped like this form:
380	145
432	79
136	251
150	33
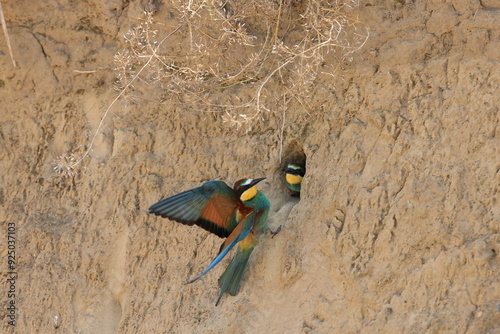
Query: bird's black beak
255	181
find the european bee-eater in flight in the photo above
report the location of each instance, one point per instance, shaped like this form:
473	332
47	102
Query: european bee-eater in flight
238	214
293	178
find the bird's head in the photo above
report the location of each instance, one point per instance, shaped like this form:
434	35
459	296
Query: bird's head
294	174
245	189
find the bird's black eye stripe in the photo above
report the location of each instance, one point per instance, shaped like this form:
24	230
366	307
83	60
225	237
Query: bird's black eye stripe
292	171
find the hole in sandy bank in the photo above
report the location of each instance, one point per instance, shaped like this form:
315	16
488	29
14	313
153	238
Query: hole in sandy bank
293	168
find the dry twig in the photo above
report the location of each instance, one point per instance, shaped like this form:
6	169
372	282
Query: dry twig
6	34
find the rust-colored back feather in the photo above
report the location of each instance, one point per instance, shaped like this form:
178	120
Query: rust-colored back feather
220	209
213	207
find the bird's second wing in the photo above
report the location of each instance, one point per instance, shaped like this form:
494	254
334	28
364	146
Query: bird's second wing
211	206
240	234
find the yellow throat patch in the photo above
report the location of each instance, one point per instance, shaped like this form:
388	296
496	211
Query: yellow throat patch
293	179
248	194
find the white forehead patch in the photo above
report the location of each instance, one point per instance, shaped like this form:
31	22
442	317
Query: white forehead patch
247	182
294	167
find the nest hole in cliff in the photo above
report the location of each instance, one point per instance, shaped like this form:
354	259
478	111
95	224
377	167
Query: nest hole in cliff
293	166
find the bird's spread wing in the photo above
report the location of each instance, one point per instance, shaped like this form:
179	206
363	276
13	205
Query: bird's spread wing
211	206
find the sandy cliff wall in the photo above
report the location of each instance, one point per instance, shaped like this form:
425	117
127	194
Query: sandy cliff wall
397	229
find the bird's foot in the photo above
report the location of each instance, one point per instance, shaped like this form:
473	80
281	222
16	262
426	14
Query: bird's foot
273	233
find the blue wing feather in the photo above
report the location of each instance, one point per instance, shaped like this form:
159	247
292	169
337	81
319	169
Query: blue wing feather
246	226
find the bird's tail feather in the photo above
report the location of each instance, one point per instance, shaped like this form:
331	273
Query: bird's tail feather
231	278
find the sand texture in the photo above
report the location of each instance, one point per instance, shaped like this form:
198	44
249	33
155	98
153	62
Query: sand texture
398	226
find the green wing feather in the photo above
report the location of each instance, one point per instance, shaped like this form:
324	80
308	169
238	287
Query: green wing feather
212	207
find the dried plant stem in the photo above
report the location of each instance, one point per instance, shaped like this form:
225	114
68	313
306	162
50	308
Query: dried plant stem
329	42
282	130
155	50
232	51
278	21
6	34
84	71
